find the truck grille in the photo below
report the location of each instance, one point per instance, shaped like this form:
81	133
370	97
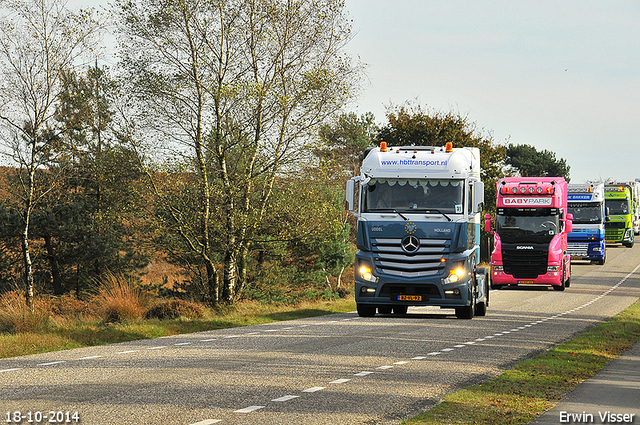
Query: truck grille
576	249
614	230
525	264
391	259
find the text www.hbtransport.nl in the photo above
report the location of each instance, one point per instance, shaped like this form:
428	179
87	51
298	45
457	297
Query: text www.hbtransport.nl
415	162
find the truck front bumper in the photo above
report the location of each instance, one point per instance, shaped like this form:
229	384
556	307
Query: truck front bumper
499	277
413	294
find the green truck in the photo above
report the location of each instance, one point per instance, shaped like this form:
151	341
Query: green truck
620	209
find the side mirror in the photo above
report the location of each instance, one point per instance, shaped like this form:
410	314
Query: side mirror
569	223
487	223
478	196
350	194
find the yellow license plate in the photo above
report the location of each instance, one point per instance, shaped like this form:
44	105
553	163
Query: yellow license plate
409	297
525	281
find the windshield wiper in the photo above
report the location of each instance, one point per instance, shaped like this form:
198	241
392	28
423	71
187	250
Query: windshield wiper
432	210
391	209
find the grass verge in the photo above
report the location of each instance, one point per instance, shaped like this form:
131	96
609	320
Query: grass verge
535	385
83	333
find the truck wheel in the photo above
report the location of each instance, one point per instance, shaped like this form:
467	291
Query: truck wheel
481	307
366	310
400	309
467	312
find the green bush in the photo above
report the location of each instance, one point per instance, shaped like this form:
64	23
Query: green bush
174	308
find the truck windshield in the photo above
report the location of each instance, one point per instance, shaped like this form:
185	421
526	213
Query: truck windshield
617	206
586	212
407	195
527	228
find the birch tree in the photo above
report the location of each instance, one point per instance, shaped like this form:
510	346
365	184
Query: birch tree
233	90
39	41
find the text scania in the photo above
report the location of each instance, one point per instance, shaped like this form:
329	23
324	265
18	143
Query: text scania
414	162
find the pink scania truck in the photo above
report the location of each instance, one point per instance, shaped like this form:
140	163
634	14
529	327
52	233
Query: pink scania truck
530	236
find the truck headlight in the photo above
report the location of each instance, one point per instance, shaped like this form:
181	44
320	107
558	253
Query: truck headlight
456	274
552	268
366	273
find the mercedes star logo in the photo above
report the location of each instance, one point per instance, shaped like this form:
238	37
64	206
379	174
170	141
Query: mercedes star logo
410	243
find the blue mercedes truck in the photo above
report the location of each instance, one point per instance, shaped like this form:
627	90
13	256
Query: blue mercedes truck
418	230
587	241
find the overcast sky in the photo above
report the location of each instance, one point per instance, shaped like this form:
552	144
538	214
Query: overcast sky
558	75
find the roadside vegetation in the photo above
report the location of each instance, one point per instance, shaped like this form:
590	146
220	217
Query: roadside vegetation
123	311
518	396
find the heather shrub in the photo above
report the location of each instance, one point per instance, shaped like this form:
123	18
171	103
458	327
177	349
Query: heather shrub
120	299
174	308
70	306
16	316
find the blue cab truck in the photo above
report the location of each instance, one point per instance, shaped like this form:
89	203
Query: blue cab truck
587	240
418	232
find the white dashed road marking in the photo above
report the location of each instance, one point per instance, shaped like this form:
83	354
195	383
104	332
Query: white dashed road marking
208	422
248	409
286	398
51	363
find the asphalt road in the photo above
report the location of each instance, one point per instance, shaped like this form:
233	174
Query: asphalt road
337	369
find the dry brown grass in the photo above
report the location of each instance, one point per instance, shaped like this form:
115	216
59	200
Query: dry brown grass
17	317
119	299
159	270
